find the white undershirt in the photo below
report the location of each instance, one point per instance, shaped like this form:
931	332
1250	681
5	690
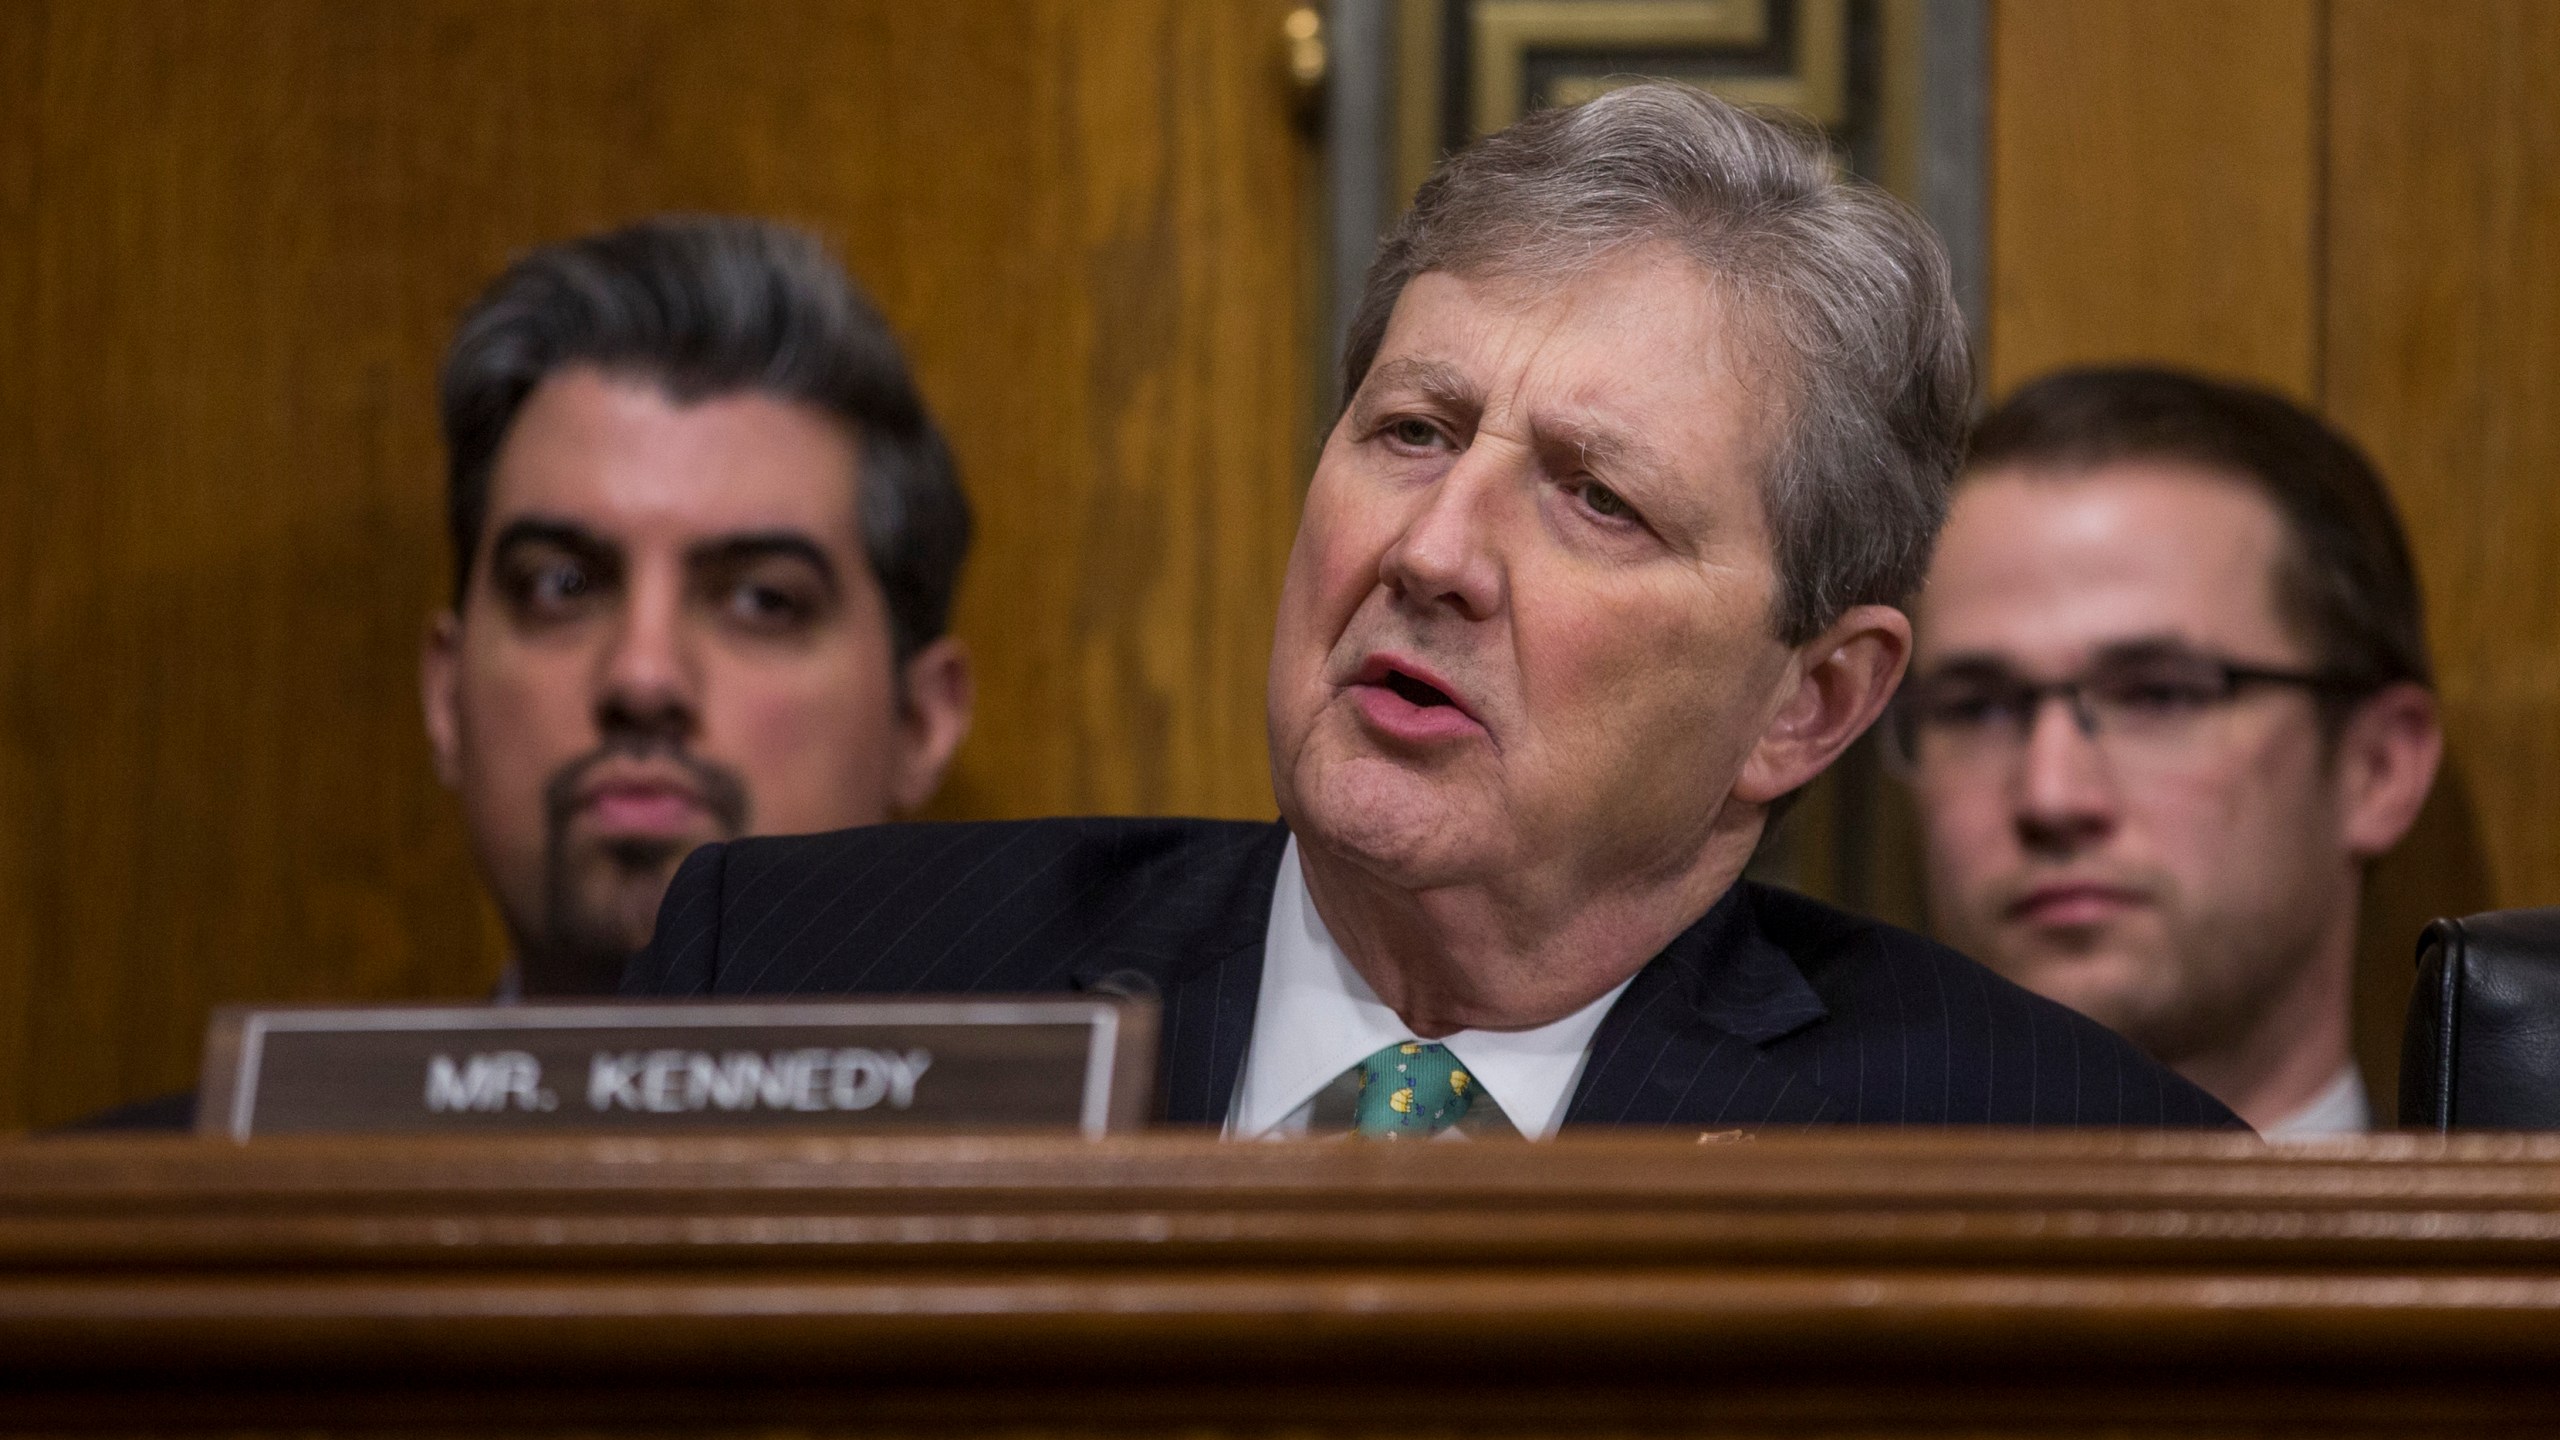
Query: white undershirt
2341	1109
1316	1018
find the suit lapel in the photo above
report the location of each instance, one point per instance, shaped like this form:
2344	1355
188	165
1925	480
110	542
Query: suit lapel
1209	984
1686	1044
1208	1025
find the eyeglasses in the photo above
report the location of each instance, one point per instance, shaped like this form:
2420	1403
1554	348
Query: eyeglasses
2146	706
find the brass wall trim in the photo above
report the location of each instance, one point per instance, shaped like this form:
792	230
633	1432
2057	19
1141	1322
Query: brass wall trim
1302	31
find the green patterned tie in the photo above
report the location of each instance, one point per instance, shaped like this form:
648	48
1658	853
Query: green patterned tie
1413	1090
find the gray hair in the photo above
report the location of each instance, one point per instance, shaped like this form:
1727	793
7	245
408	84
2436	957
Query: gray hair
1847	289
705	306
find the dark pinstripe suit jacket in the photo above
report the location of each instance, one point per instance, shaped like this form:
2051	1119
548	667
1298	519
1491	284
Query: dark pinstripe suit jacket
1771	1010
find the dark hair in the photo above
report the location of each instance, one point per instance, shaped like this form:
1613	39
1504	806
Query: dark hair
1845	290
705	306
2345	583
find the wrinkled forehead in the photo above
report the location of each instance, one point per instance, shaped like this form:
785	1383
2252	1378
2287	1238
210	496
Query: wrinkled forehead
1643	342
1731	320
2045	569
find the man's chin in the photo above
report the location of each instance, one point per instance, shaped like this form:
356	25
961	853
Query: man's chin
612	900
2098	973
1410	829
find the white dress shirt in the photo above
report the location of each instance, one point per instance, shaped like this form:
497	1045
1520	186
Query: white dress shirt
1316	1018
2341	1109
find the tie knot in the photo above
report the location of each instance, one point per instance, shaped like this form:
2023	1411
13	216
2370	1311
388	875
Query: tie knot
1413	1089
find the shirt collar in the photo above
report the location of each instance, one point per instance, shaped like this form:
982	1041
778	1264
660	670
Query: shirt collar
2339	1109
1316	1017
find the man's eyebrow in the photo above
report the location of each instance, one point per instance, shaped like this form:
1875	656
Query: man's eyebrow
2133	650
543	530
1436	380
732	550
2141	648
1603	446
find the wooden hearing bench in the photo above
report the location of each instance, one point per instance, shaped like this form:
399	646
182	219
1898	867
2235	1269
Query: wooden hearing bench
1869	1283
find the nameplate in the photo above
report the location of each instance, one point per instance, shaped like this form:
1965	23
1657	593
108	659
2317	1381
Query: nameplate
1033	1063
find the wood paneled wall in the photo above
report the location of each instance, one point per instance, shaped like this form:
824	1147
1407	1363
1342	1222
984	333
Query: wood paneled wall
233	237
2357	202
2155	182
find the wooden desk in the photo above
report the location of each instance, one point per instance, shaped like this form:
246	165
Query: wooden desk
1875	1283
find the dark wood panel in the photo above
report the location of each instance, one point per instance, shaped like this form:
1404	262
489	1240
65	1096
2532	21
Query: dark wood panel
1850	1283
2154	184
2443	358
21	63
238	235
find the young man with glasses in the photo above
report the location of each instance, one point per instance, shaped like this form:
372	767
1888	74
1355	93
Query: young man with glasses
2170	696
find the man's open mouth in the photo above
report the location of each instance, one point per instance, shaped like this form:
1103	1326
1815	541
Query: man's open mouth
1404	697
1416	692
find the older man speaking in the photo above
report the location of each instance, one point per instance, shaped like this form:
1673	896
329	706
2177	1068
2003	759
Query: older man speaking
1650	423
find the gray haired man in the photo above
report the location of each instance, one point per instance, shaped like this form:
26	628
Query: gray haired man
1650	421
705	538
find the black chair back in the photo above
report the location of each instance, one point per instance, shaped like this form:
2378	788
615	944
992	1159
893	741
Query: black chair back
2482	1048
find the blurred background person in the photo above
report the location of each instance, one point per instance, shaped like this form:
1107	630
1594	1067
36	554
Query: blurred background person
2171	697
705	540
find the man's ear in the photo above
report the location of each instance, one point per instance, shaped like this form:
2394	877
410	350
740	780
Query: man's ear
940	693
2385	760
1841	680
439	693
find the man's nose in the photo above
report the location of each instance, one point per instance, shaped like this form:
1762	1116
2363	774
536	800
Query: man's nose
650	681
1448	553
2067	794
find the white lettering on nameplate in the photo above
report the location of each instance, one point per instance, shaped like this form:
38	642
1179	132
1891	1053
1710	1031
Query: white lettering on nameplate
504	1080
675	1081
